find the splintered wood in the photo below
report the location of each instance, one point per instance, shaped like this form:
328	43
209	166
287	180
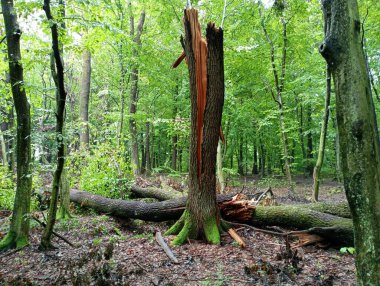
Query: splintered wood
237	209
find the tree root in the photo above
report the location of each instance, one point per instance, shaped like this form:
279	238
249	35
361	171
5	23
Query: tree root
12	241
186	228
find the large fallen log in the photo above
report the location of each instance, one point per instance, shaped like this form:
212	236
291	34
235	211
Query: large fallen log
336	229
155	193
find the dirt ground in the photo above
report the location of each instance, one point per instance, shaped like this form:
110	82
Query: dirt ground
119	252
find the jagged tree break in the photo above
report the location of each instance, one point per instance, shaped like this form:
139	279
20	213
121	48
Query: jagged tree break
358	132
206	75
19	228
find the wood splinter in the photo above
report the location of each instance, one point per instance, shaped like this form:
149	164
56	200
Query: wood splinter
160	240
236	237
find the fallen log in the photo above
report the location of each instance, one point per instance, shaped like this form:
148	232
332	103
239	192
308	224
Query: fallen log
336	229
155	193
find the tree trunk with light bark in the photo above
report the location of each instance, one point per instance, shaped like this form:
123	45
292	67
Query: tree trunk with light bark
84	99
358	132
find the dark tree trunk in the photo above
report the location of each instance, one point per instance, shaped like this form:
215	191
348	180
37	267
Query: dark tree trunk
200	220
134	92
147	149
309	149
255	169
358	132
19	229
61	101
84	99
240	158
174	152
262	160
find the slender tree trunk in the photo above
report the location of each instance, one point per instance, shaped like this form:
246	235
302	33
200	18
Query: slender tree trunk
255	169
147	149
358	132
200	220
219	167
300	128
262	160
240	158
61	101
3	149
134	92
84	99
322	139
309	149
279	84
18	233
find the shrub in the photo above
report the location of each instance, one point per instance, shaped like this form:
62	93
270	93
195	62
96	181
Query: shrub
7	189
106	173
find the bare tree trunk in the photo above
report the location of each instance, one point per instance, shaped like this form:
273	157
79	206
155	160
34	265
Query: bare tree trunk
255	169
358	132
148	166
219	167
84	99
17	236
134	92
3	149
61	102
322	139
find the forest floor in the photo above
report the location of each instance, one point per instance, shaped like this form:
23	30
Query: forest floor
119	252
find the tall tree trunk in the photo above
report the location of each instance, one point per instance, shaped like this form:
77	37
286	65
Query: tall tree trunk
200	219
84	99
300	127
134	91
147	149
240	158
262	159
358	132
219	168
61	102
3	149
322	139
279	84
309	149
19	229
255	169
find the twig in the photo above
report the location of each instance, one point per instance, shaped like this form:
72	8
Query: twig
2	40
56	234
160	240
224	13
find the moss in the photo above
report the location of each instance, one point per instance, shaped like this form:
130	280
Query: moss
211	230
8	241
186	228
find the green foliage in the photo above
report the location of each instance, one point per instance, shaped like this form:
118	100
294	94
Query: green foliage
347	250
105	172
7	189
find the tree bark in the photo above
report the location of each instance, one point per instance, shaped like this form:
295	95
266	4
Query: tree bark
60	113
294	216
134	92
147	149
3	149
358	132
255	169
206	75
84	99
322	139
18	233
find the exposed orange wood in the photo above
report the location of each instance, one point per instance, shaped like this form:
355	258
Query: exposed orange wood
236	237
179	60
200	54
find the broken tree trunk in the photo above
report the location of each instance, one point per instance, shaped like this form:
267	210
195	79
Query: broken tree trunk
334	228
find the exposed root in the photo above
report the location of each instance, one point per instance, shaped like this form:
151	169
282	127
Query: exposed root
12	241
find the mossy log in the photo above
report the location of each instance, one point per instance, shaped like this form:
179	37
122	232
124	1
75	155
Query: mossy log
333	228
